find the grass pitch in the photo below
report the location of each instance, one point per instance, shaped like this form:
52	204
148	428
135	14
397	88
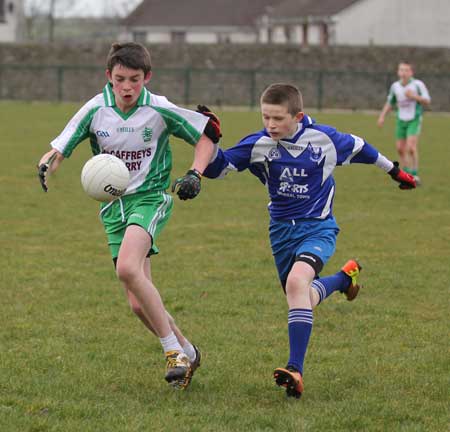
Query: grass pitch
74	358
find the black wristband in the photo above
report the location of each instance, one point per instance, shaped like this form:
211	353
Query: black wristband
195	172
394	171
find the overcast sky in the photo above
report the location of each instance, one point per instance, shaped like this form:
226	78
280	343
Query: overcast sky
83	7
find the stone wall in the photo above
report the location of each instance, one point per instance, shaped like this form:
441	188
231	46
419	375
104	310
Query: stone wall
334	77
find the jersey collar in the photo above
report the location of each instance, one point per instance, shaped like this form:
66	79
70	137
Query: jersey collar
305	122
409	82
108	95
110	101
144	97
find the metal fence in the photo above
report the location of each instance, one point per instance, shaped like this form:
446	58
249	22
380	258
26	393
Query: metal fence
220	87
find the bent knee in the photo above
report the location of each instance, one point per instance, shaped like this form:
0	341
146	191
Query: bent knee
126	271
297	283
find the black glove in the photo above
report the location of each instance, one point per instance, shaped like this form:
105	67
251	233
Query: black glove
43	171
406	180
188	186
42	174
212	128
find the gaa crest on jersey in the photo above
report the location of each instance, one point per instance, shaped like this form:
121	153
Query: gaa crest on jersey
314	155
147	134
102	134
274	154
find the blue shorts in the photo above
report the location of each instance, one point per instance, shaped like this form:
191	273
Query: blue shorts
294	237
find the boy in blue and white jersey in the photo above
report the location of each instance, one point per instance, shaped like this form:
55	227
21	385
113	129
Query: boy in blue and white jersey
295	158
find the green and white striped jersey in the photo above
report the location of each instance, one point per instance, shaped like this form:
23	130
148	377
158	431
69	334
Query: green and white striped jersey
407	109
140	137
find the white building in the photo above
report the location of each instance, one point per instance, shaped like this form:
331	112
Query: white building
195	21
11	20
394	22
301	22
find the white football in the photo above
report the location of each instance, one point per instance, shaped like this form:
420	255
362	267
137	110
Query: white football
105	177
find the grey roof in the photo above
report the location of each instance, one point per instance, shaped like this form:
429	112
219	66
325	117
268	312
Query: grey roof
304	8
188	13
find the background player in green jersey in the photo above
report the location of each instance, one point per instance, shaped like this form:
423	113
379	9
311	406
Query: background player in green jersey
408	96
130	122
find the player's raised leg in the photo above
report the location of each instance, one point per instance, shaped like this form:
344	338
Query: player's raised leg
344	281
130	270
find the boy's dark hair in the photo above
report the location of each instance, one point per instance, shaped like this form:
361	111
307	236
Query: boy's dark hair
131	55
280	94
406	62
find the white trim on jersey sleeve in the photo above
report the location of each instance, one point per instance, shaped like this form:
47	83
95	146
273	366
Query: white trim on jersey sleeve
230	167
215	153
359	143
61	141
195	119
384	163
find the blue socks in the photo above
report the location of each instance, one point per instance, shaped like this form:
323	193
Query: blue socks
328	285
300	323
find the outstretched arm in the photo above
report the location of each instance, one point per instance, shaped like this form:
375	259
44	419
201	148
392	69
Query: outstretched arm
236	158
73	134
369	154
353	149
188	186
204	152
48	164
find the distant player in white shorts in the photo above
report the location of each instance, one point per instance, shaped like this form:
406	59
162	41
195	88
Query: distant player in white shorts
408	96
130	122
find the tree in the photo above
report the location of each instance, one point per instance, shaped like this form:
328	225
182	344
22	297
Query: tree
37	10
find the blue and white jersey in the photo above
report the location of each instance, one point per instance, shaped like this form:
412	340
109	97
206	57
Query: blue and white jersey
296	170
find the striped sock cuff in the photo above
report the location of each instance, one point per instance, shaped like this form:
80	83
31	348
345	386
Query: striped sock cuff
320	289
300	316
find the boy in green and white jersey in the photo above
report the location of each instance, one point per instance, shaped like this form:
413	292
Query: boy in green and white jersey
408	96
128	121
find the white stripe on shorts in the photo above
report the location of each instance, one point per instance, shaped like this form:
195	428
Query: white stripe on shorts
160	213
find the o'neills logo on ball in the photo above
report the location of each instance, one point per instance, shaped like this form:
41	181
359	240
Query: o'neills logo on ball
113	191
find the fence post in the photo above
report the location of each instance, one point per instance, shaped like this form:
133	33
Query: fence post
388	81
252	88
187	85
60	73
320	90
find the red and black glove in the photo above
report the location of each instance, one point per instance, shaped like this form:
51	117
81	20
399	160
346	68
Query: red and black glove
406	180
212	128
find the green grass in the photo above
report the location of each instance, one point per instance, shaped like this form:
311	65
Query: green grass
74	358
